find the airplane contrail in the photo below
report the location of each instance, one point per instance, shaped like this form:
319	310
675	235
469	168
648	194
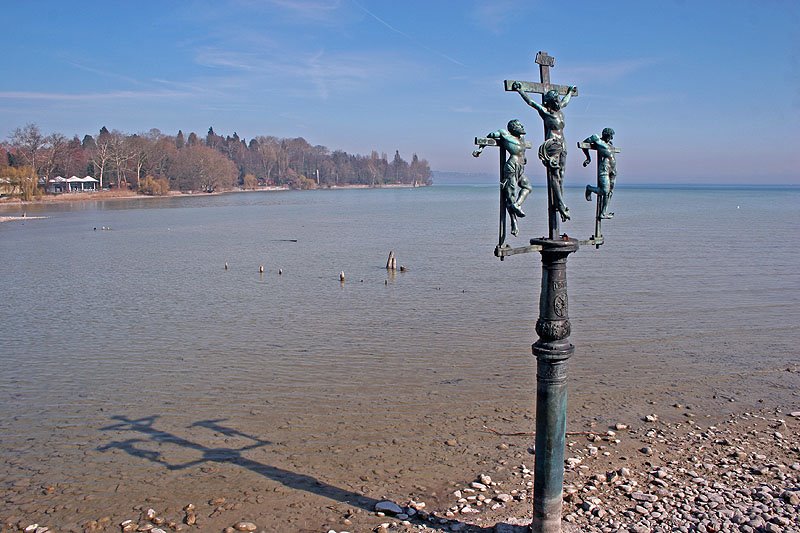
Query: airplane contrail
407	36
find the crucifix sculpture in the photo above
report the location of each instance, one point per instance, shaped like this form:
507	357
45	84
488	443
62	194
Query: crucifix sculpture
514	185
553	348
553	152
606	176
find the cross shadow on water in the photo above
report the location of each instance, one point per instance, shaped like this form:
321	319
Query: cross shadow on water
145	427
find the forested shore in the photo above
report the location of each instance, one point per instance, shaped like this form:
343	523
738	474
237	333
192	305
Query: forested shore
155	163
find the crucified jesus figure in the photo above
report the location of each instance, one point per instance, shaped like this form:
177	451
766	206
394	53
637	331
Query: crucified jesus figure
553	152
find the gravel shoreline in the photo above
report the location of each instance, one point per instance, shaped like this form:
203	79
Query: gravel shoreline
740	474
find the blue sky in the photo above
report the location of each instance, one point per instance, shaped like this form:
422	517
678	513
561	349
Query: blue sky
697	91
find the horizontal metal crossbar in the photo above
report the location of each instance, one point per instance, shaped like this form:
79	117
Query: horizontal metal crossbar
506	250
487	141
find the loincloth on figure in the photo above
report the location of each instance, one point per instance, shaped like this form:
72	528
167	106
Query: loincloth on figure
514	178
553	153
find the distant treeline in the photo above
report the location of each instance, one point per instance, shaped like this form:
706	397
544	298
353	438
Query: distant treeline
155	163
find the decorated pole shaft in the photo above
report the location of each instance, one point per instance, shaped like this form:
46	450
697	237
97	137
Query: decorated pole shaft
552	350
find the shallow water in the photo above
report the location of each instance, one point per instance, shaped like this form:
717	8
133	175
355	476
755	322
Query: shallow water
694	298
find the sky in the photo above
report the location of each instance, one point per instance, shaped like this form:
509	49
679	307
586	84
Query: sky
704	92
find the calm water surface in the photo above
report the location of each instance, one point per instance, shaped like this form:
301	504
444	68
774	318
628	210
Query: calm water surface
142	320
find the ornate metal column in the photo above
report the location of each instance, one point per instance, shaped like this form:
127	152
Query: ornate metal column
552	352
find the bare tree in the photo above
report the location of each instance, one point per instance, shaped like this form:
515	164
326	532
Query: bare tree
55	152
120	155
76	159
139	150
200	167
419	171
162	153
101	155
29	143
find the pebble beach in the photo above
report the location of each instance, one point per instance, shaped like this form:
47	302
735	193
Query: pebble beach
649	475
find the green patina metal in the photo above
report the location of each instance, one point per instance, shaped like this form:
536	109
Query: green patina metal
514	185
553	151
606	174
552	349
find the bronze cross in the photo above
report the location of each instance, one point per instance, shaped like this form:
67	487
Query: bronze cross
544	61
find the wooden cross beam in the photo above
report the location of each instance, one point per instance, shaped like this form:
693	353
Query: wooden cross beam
544	61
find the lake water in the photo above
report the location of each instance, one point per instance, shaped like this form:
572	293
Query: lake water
694	298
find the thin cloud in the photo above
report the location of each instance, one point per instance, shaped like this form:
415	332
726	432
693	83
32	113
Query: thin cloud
407	36
192	88
216	58
30	95
496	16
653	98
308	8
186	88
324	73
104	73
606	72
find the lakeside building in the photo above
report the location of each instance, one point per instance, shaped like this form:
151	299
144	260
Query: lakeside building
60	184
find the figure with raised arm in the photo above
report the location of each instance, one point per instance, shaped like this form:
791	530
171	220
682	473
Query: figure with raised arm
553	152
606	169
513	182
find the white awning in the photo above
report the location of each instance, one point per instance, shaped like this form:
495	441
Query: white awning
89	179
